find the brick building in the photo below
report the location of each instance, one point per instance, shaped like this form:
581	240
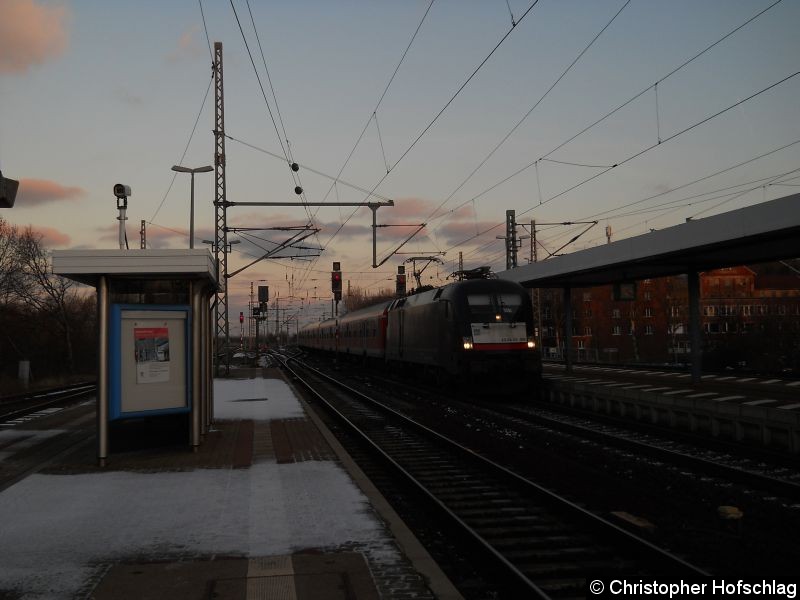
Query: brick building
750	317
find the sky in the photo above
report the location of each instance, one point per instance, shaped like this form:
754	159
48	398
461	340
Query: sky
468	109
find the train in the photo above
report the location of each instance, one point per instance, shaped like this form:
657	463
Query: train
475	330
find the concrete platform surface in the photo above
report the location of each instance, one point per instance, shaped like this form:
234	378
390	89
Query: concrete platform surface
269	507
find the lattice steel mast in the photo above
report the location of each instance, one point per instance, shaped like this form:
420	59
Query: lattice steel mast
222	329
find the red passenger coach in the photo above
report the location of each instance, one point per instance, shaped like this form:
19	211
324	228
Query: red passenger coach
360	333
363	332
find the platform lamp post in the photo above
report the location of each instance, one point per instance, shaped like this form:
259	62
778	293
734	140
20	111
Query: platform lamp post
180	169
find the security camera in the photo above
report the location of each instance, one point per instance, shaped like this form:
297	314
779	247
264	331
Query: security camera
8	191
122	191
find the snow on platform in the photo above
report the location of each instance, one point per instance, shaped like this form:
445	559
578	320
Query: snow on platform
58	532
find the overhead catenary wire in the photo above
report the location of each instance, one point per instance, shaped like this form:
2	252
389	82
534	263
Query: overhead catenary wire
374	111
285	149
185	149
529	112
641	152
436	117
658	124
271	87
667	139
380	100
307	168
613	111
205	28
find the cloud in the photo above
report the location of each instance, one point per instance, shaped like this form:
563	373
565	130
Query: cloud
158	238
30	34
468	232
52	237
33	192
408	207
188	46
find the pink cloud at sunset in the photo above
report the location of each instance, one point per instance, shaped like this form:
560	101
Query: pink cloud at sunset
52	238
33	192
30	34
188	45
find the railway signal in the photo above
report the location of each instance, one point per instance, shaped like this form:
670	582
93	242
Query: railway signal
336	282
400	283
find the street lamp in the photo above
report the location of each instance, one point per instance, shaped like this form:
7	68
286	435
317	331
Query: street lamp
180	169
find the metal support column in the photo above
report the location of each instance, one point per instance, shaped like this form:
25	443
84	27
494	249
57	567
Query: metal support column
202	316
196	357
222	329
211	329
695	335
568	328
511	240
374	209
102	370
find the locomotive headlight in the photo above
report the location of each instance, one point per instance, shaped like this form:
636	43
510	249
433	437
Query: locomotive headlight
467	343
498	317
531	344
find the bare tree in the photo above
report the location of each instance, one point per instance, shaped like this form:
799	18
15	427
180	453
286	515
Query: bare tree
359	298
8	259
36	286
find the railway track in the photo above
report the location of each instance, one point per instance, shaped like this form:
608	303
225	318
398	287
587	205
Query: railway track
19	407
538	543
759	469
729	464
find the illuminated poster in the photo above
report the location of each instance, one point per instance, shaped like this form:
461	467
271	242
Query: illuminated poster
152	354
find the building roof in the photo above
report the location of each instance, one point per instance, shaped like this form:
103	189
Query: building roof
86	266
759	233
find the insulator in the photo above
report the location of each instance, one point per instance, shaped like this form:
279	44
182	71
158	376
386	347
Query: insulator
298	190
295	167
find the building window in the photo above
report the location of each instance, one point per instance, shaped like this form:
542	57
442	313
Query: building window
615	313
647	295
587	296
616	330
648	330
581	345
587	331
677	329
675	311
648	312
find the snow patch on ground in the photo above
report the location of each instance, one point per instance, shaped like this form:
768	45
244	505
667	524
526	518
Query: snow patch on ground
55	530
256	399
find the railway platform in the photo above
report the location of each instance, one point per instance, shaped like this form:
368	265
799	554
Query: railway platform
269	506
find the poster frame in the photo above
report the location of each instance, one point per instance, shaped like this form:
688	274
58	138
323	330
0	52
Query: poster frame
116	351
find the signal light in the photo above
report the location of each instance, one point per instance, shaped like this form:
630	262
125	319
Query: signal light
336	285
400	285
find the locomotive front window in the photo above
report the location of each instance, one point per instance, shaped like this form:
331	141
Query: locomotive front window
510	307
491	308
481	308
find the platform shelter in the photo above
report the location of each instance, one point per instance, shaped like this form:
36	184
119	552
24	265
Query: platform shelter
155	333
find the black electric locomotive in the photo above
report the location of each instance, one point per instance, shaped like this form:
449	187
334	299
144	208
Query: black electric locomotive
470	329
476	330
